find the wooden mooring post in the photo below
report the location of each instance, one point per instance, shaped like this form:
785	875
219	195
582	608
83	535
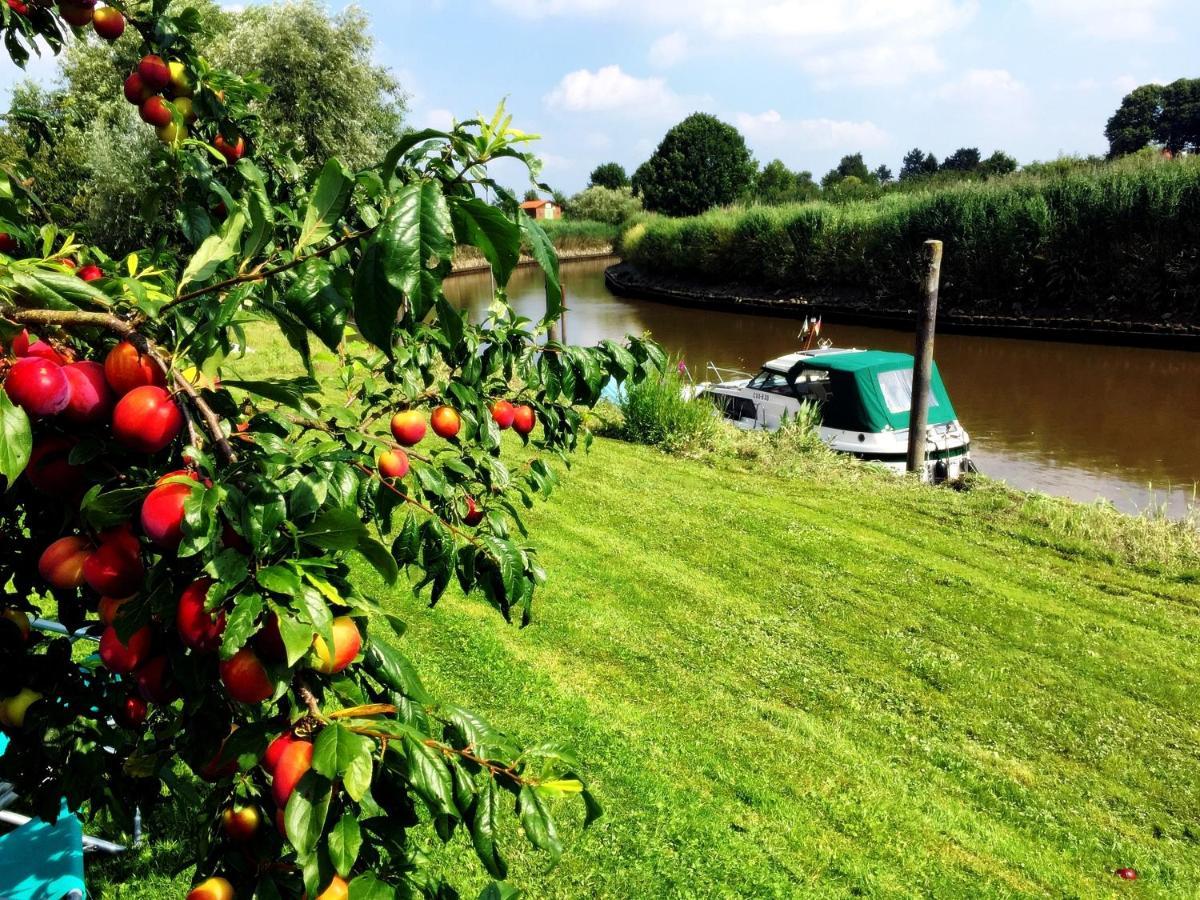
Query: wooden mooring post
918	425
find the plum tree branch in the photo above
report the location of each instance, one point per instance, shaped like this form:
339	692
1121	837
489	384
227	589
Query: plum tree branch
304	692
458	532
261	274
66	318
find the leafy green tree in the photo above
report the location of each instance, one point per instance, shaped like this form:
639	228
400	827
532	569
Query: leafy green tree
328	96
701	163
964	159
532	194
851	188
917	164
609	175
1136	123
999	163
883	174
101	170
776	184
249	675
609	205
850	166
1179	122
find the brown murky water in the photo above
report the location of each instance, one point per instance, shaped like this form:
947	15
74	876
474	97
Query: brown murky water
1071	419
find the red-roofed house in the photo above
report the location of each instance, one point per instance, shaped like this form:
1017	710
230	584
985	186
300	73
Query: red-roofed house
542	209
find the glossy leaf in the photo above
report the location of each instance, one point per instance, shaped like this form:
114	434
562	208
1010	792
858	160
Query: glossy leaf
16	439
330	197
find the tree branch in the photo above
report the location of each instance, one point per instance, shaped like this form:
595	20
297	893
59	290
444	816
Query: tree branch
470	538
60	318
212	423
304	692
264	274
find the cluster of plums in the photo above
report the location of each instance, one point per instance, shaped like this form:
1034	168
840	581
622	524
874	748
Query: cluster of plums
107	21
163	93
409	429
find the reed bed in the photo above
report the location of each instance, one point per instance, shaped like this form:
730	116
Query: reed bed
1120	240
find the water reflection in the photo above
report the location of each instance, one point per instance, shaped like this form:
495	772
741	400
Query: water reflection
1072	419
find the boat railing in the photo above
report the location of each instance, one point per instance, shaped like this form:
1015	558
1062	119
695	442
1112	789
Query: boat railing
720	375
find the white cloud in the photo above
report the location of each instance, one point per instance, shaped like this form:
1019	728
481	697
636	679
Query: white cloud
1122	20
770	18
611	89
441	119
771	128
873	65
865	42
996	89
669	50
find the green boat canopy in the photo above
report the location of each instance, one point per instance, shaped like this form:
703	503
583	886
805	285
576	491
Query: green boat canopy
871	390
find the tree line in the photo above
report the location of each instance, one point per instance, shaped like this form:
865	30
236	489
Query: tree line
703	162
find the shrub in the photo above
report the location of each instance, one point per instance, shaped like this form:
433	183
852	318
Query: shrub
609	205
657	413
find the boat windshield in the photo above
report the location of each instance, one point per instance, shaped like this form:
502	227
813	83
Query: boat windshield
771	382
897	390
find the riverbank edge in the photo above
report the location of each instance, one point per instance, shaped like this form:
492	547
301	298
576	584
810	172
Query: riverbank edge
474	266
626	280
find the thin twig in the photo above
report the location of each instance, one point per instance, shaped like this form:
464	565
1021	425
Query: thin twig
211	422
260	274
470	538
304	692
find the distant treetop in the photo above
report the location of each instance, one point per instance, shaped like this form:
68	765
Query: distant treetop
609	175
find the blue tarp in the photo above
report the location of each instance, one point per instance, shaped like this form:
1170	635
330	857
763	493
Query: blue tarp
40	861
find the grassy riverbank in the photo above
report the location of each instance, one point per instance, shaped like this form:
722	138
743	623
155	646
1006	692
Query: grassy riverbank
571	239
792	676
1120	241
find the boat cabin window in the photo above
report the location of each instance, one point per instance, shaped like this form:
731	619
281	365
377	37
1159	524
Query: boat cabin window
897	390
771	382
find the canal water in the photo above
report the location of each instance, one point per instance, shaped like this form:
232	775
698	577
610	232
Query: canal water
1075	420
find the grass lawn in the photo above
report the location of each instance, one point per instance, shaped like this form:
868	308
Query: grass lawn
826	683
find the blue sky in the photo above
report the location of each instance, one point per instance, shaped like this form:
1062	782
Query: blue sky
805	80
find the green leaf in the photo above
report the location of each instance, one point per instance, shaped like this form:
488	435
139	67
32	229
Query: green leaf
304	817
112	507
336	529
290	392
429	776
258	206
345	842
297	637
497	891
216	250
369	887
542	250
484	818
487	228
57	291
336	750
380	558
241	623
16	439
401	147
392	668
316	300
512	566
407	547
404	262
535	819
330	197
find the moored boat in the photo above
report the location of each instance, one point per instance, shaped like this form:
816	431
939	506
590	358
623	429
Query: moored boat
863	399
